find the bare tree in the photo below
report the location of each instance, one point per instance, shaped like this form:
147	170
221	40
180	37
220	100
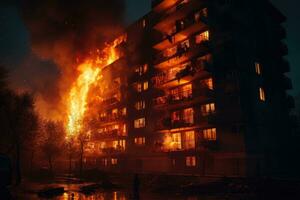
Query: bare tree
82	140
52	142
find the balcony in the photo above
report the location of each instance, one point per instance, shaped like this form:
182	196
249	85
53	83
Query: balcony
280	32
113	101
167	124
174	98
182	75
284	66
179	11
160	5
108	134
290	102
113	150
181	55
112	118
182	31
281	49
287	83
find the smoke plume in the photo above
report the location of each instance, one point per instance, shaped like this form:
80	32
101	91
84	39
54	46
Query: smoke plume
64	32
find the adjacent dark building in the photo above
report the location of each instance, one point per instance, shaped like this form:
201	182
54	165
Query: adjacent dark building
200	88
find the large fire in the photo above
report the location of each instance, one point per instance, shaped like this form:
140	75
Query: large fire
89	74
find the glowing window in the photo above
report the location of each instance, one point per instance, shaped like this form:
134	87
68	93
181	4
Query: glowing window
189	139
140	141
105	161
124	130
124	111
114	161
210	134
208	109
190	161
144	23
176	141
139	87
139	123
146	85
115	144
142	69
258	68
114	112
140	105
122	144
185	44
262	95
201	37
175	116
188	115
170	51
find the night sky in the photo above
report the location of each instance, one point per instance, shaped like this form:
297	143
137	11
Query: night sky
15	45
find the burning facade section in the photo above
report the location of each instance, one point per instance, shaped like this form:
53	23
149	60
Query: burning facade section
189	94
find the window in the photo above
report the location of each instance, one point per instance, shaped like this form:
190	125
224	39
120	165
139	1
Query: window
124	130
208	109
144	23
208	83
139	123
114	161
114	112
122	144
190	161
188	115
176	141
210	134
105	161
189	139
175	116
124	111
262	95
181	92
146	85
170	52
139	87
140	105
140	141
142	69
201	37
258	68
185	44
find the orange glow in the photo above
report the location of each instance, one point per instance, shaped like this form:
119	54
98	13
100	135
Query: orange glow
89	75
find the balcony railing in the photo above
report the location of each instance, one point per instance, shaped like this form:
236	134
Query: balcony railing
184	24
156	2
168	123
174	98
287	83
284	65
111	118
190	70
108	134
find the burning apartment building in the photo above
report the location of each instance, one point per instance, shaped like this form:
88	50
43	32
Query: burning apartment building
198	88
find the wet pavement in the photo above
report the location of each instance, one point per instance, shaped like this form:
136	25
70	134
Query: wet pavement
29	191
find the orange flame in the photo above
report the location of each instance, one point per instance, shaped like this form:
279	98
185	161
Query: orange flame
89	74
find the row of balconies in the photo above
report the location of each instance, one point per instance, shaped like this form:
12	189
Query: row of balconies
182	96
182	28
189	70
113	117
109	134
168	123
182	54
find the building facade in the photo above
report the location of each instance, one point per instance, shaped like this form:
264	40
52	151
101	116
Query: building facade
200	88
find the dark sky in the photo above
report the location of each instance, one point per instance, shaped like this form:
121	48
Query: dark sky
14	39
